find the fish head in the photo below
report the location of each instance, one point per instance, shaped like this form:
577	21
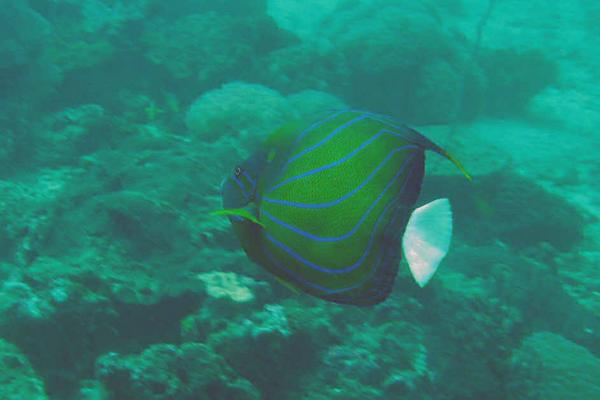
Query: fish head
241	198
240	191
240	188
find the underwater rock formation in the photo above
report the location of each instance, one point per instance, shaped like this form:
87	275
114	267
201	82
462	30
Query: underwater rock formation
515	77
408	60
506	206
7	148
51	311
471	333
548	366
186	47
402	46
116	282
66	136
378	55
306	104
27	74
569	108
228	296
162	372
209	46
239	109
251	111
24	34
18	379
384	361
258	347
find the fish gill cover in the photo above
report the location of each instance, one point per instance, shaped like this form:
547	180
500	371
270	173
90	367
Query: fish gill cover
120	119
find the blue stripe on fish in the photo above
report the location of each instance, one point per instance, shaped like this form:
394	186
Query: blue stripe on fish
358	224
326	138
241	186
332	271
337	271
250	179
340	161
340	199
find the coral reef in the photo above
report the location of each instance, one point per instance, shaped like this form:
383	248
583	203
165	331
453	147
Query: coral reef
186	48
250	112
52	313
309	103
547	366
515	77
468	349
119	120
568	108
18	380
237	109
286	69
162	372
384	361
229	286
67	135
7	147
378	55
24	34
299	17
27	74
258	347
193	46
505	206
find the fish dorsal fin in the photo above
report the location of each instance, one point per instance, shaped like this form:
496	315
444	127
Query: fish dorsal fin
427	239
282	136
419	138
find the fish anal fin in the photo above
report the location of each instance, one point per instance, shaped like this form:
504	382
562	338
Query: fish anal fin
427	239
288	285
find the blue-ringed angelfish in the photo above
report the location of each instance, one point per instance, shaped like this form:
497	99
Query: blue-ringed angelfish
324	206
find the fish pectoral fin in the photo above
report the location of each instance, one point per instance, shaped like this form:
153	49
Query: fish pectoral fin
243	212
427	239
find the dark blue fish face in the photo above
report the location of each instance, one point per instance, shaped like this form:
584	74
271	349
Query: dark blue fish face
240	188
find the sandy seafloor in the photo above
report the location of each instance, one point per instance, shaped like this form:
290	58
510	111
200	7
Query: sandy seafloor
120	118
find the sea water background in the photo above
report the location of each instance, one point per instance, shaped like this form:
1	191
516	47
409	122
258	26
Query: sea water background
120	118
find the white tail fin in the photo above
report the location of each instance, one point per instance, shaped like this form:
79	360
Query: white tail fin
427	239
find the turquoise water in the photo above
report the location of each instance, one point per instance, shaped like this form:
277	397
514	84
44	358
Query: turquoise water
120	119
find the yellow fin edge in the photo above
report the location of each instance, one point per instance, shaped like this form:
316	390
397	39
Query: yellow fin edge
288	285
457	164
239	212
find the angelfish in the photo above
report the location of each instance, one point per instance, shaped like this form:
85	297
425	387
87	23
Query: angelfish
324	206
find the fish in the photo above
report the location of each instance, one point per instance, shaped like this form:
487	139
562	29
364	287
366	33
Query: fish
328	206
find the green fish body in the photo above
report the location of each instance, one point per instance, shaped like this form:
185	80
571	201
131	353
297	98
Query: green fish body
324	207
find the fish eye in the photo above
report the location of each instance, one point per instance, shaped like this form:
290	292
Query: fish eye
237	171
